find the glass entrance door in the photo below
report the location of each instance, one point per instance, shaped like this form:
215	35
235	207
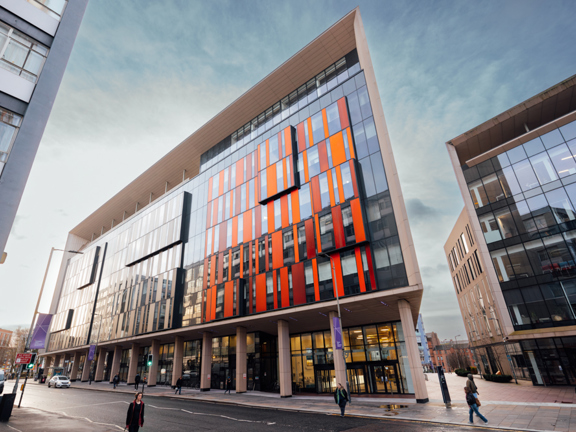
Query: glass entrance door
325	381
356	377
385	378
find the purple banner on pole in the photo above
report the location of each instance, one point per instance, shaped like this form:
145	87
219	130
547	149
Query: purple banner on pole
92	352
40	331
337	333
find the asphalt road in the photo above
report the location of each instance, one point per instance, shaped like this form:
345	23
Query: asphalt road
175	415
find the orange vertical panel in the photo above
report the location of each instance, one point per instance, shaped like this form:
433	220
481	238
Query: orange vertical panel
343	113
235	231
350	145
338	271
247	229
212	270
285	176
296	251
305	163
223	233
358	221
331	189
281	150
310	243
271	180
295	207
319	245
338	150
360	269
242	261
284	211
325	119
210	188
275	288
258	219
220	274
239	172
310	134
271	226
354	179
277	250
213	305
340	184
229	299
221	184
288	141
285	289
316	284
316	199
338	226
301	137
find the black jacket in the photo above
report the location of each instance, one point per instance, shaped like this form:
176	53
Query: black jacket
344	392
179	382
137	379
116	379
470	399
130	414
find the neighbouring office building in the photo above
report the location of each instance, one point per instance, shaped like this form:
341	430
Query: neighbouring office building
512	252
36	39
225	257
422	344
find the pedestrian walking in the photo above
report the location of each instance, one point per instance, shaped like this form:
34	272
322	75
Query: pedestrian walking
341	397
471	386
178	385
137	381
473	404
135	415
116	380
90	379
228	385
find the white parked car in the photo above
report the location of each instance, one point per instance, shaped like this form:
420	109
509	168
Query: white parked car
59	381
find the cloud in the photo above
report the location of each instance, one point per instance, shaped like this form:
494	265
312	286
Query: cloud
418	211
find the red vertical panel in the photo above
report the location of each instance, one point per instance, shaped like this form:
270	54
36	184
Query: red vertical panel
319	245
359	231
310	243
298	284
220	268
285	290
277	250
301	137
339	239
281	150
222	239
209	215
296	251
261	292
221	183
235	231
258	228
316	199
371	268
288	141
354	179
247	231
310	134
325	119
360	269
285	213
323	156
210	182
284	172
350	145
270	216
239	173
213	305
229	299
316	285
338	271
275	288
295	207
215	212
343	112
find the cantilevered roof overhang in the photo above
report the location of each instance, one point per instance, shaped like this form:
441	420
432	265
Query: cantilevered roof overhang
548	106
326	49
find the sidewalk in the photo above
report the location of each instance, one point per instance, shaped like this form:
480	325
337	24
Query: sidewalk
507	414
32	420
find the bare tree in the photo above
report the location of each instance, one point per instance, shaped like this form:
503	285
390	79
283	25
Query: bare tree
18	344
457	359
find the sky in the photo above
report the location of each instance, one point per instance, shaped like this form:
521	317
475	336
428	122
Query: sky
144	75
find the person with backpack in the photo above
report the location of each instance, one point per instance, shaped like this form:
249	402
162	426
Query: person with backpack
116	380
178	385
341	397
135	415
473	404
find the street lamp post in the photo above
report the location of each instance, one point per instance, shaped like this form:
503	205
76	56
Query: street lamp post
339	319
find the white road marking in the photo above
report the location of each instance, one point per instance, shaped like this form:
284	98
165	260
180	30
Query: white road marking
225	417
91	405
14	428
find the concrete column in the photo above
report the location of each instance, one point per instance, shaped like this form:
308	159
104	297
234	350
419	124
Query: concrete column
178	359
133	366
86	369
153	372
241	380
206	365
116	362
75	366
413	353
57	360
339	365
99	375
284	364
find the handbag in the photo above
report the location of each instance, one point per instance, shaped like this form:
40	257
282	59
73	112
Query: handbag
478	402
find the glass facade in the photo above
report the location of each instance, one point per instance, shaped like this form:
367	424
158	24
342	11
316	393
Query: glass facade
20	54
9	124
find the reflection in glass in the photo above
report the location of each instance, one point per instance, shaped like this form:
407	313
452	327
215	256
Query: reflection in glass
478	194
563	160
543	168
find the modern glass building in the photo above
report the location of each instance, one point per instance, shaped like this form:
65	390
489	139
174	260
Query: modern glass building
517	174
226	257
36	39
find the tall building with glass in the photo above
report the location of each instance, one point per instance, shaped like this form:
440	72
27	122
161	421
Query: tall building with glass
227	257
517	174
36	39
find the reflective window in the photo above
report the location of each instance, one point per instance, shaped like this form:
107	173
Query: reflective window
53	8
9	123
347	181
305	203
533	147
313	161
277	215
333	117
563	160
543	168
317	128
288	243
360	141
364	102
273	149
326	232
240	238
525	175
324	190
20	54
371	138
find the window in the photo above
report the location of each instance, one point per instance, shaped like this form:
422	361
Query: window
333	117
225	266
269	292
348	223
326	232
302	242
229	233
313	162
261	256
305	202
317	128
240	229
252	193
279	176
324	190
21	55
236	264
9	123
264	218
325	279
309	281
350	273
53	8
347	181
288	244
273	148
277	215
242	198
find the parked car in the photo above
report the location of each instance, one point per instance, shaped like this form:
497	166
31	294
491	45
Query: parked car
59	381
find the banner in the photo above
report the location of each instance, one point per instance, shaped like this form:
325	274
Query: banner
337	333
92	352
38	340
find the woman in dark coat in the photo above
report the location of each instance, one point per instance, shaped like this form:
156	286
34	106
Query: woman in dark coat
135	415
341	397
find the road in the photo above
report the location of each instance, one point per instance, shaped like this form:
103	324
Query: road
175	415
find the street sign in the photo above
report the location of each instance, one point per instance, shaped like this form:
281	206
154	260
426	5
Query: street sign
23	358
337	332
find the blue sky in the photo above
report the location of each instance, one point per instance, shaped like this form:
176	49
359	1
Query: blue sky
144	75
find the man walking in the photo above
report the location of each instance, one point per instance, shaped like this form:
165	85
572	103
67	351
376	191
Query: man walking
341	397
178	386
228	385
137	381
116	380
